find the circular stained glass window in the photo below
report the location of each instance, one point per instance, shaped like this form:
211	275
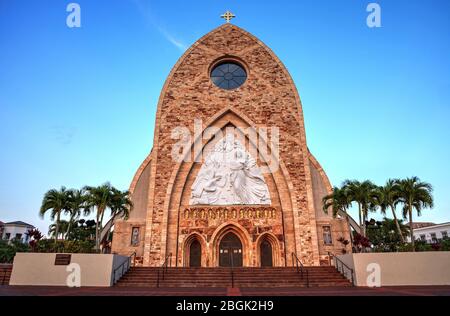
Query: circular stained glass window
228	75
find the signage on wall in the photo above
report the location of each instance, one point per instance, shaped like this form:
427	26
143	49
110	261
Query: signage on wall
62	259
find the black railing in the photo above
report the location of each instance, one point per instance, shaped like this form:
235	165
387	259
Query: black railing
342	268
300	268
124	267
164	268
232	268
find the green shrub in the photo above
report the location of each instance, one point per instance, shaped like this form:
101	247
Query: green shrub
8	250
445	244
65	246
421	246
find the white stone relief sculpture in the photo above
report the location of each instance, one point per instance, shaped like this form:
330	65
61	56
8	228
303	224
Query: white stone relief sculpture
230	176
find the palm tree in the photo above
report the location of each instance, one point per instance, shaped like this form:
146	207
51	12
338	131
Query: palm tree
339	202
414	194
120	207
98	199
104	197
57	202
121	204
77	201
365	195
57	229
389	198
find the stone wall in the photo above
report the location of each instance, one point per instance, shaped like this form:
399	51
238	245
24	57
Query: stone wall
339	226
140	196
122	238
250	224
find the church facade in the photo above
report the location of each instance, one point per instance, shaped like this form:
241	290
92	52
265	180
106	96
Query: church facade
230	179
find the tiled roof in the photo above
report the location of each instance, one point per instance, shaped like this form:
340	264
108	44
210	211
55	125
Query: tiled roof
19	223
422	225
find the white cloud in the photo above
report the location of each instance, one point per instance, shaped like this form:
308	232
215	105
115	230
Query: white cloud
145	11
63	134
173	40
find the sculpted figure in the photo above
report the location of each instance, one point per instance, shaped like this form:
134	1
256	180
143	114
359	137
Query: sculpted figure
230	176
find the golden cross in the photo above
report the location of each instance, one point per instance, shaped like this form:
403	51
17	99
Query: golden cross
228	16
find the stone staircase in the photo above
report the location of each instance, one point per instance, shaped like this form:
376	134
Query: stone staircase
243	278
5	273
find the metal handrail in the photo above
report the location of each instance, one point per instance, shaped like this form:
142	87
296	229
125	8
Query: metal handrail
338	261
167	263
134	255
300	268
126	263
232	268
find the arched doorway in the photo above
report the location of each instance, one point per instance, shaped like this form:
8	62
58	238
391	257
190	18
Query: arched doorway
230	251
195	254
266	254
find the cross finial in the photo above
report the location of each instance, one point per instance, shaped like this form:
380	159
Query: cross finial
228	16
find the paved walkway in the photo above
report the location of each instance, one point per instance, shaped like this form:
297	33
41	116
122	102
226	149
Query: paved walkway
123	291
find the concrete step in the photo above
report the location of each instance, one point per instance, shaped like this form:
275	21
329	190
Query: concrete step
243	277
215	277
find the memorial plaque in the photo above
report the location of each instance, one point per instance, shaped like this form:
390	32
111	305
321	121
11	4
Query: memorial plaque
62	259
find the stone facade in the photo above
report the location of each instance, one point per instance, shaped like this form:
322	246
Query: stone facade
161	189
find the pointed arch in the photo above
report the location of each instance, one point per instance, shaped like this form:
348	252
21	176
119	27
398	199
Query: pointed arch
189	240
322	173
183	171
140	171
301	202
276	249
329	189
241	233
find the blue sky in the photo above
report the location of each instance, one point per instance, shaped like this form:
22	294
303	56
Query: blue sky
77	106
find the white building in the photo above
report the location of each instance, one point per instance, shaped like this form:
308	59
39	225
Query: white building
16	230
431	233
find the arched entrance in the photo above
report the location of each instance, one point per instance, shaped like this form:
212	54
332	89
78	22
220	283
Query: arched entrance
266	254
230	251
268	251
195	254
